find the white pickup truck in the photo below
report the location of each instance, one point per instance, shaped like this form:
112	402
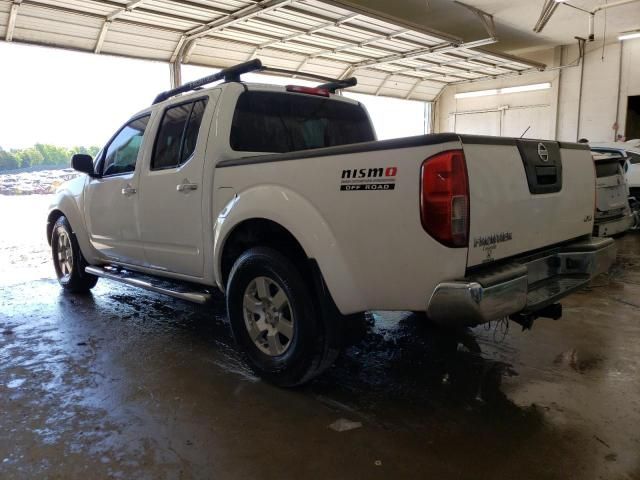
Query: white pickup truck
282	198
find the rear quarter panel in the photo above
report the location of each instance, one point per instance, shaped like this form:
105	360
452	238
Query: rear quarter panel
370	245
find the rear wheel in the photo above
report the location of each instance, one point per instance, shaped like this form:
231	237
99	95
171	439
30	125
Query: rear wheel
274	318
68	260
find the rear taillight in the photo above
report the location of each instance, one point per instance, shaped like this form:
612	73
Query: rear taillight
444	198
322	92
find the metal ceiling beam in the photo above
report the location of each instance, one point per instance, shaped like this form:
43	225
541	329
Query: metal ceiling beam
309	43
485	18
435	73
328	52
428	67
446	65
151	11
376	35
238	16
548	9
413	89
383	83
101	36
492	77
478	59
110	18
304	33
13	15
423	51
392	20
84	13
176	51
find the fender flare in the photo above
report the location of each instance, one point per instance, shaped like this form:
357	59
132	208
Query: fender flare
300	218
67	204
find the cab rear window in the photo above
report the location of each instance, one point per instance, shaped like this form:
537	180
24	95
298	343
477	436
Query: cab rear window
284	122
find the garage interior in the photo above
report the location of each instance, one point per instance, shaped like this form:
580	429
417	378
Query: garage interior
129	384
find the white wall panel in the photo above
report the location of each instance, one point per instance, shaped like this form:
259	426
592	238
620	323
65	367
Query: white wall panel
572	113
483	123
533	120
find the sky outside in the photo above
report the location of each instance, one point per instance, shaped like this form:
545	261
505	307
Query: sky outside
70	98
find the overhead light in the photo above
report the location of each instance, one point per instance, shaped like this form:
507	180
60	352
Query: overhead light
560	1
478	93
629	35
499	91
526	88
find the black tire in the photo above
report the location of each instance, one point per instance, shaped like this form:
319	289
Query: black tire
71	274
308	352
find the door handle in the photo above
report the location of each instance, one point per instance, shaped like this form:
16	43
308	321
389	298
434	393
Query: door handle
128	191
187	187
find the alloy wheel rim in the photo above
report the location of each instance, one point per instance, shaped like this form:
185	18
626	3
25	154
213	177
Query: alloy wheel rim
64	254
268	316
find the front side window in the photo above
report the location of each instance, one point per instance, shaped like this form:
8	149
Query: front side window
122	153
178	134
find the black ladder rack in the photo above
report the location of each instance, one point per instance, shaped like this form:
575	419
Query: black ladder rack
232	74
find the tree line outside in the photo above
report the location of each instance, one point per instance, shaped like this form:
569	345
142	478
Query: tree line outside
41	154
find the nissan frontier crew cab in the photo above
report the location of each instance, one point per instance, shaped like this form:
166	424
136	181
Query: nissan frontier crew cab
282	198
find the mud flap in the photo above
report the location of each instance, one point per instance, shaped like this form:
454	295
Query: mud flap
342	330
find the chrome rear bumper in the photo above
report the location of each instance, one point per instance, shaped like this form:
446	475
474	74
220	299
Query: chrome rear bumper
608	228
522	286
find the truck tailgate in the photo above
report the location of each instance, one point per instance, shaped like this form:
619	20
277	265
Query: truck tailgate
525	195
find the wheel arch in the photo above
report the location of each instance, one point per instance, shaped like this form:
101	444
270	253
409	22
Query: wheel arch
302	226
254	232
53	217
66	205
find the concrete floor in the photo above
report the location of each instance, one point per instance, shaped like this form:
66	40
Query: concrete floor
128	384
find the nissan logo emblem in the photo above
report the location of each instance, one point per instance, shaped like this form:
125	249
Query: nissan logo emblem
543	153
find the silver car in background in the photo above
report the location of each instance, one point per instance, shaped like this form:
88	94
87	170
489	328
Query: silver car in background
613	214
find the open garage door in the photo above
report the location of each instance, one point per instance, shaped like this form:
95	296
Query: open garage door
332	38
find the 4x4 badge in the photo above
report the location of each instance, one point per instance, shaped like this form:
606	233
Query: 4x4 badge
543	153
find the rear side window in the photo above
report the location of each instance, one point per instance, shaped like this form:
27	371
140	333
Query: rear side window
178	135
284	122
633	157
122	152
607	169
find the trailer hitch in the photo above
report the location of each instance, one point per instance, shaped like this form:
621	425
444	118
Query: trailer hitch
553	311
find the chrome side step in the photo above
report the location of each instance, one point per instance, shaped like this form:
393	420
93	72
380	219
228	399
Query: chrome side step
147	282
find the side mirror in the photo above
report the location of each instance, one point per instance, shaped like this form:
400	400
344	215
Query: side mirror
83	163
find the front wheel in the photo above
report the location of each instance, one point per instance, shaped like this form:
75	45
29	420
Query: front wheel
274	318
68	260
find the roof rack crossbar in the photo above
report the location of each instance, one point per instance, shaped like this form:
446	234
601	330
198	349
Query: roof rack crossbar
330	84
231	74
339	84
